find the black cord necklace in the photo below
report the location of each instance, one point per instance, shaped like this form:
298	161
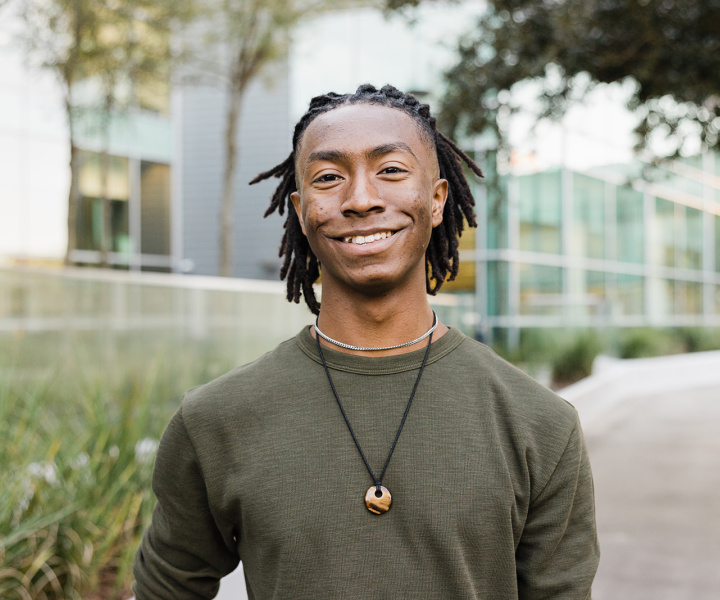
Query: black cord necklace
377	498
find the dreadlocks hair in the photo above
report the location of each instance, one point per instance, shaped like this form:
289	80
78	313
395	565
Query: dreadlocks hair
300	265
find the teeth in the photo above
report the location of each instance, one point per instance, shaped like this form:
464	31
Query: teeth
366	239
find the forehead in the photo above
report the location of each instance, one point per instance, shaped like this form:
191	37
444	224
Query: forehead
357	127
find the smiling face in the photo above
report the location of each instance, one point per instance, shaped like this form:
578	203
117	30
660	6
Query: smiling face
369	194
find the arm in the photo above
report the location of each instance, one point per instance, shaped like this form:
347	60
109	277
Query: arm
558	553
184	551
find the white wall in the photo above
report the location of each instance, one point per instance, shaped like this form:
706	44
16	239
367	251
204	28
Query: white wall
34	155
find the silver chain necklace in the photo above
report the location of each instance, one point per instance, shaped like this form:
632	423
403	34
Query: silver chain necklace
351	347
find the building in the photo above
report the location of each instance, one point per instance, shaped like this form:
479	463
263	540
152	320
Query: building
601	248
562	241
160	201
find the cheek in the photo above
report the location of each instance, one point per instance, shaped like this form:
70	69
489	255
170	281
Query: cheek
316	214
422	207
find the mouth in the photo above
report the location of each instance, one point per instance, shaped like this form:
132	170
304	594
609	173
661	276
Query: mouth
366	239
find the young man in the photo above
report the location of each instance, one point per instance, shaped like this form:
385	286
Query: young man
378	454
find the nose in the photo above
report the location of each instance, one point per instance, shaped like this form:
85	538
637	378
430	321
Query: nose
362	196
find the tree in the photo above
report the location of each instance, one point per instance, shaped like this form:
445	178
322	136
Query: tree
251	34
134	52
111	42
670	49
61	36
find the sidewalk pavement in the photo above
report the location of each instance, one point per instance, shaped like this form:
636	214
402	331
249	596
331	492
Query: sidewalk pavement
656	465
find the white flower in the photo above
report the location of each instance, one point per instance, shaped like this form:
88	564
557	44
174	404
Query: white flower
82	460
114	452
46	470
145	450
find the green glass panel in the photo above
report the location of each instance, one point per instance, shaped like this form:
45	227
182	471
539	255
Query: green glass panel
497	215
667	297
588	216
630	230
89	224
119	227
540	212
717	243
497	288
629	294
665	232
155	208
595	292
540	290
688	298
690	243
94	184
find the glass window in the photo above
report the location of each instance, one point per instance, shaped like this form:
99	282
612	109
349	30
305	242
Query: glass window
465	279
98	179
666	299
589	216
540	212
89	224
497	215
688	298
497	288
585	292
630	230
629	294
690	238
595	292
717	242
540	290
665	231
154	208
684	183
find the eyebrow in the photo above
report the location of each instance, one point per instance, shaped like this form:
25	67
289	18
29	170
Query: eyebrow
373	153
384	149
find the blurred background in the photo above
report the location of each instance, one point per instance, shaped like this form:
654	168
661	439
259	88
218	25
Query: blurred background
135	262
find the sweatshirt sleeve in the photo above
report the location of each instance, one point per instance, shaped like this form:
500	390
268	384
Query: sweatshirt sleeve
185	551
558	553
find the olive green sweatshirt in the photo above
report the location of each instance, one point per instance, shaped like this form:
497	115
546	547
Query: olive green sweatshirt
492	495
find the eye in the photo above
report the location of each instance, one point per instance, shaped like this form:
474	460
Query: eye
392	170
327	178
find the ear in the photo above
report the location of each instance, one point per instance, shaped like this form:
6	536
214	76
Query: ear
440	192
295	199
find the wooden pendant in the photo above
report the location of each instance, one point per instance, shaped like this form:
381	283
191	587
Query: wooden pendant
378	502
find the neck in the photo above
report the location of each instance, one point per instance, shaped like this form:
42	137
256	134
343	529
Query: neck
375	322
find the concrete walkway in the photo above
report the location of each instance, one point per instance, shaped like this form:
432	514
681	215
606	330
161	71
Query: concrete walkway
653	431
656	464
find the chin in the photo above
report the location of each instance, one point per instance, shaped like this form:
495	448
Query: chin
381	282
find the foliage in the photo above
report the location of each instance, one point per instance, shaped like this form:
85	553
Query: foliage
669	49
647	342
570	352
575	361
699	339
79	438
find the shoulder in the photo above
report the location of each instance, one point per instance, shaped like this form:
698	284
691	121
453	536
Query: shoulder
509	396
532	427
480	363
245	392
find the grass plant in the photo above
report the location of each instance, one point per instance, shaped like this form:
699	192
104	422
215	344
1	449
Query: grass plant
79	429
